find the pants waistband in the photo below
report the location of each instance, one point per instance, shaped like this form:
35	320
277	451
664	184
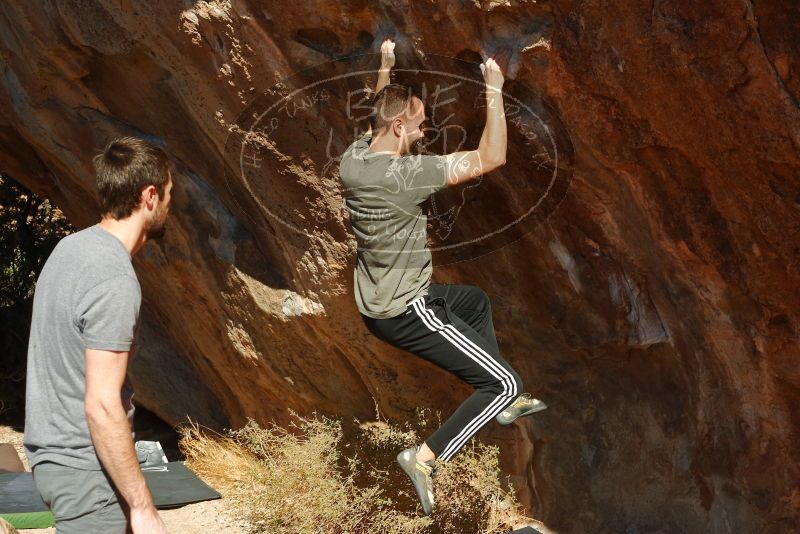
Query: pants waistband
422	298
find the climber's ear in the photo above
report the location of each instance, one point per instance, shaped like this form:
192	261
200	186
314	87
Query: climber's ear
397	127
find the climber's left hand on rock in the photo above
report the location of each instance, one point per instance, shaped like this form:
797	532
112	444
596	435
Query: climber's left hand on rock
387	54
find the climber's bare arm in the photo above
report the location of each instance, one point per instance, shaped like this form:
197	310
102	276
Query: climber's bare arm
387	62
491	153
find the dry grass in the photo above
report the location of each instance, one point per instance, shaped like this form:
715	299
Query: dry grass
328	476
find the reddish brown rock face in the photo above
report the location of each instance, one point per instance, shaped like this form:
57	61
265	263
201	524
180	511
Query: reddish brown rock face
652	302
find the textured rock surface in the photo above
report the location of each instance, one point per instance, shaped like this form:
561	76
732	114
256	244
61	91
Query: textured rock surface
655	310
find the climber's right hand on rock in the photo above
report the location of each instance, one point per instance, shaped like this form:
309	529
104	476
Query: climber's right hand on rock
492	75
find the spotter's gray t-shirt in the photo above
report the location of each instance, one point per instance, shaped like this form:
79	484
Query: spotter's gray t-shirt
87	296
383	194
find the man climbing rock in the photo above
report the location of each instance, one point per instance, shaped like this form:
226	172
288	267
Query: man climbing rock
448	325
78	409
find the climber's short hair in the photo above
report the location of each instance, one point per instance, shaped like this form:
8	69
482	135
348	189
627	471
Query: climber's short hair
393	100
124	168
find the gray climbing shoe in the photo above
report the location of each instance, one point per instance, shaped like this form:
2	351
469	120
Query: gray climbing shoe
522	406
421	476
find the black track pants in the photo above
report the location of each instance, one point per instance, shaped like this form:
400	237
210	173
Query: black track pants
452	328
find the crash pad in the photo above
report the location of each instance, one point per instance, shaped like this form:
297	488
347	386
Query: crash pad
172	485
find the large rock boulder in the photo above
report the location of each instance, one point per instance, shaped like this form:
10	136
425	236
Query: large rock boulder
650	298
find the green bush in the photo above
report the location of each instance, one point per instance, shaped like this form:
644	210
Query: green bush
30	227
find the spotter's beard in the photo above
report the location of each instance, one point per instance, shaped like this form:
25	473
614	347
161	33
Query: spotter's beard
157	230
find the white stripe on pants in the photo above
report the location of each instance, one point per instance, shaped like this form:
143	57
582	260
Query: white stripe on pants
478	355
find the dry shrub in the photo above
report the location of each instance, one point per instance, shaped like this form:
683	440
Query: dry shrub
221	461
324	476
469	492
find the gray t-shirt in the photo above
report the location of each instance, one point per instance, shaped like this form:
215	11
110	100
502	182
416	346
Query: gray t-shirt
87	296
383	194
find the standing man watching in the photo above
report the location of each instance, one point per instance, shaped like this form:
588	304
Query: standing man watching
79	410
448	325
